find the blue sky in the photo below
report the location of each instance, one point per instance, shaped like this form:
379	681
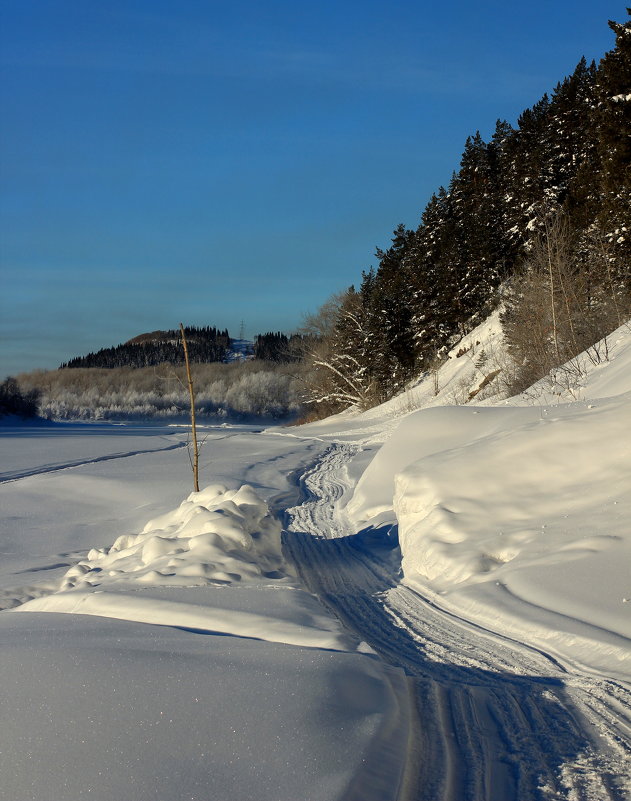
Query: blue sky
214	162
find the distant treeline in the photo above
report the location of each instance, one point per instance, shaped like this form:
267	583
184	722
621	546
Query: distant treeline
14	401
205	344
278	347
244	390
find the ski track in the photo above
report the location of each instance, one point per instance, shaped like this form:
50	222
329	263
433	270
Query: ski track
5	478
497	720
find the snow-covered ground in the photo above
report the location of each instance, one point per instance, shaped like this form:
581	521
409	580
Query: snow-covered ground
513	520
176	656
448	618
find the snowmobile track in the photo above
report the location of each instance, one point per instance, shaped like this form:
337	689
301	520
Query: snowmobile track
497	720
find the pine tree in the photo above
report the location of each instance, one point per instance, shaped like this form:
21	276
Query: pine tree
388	314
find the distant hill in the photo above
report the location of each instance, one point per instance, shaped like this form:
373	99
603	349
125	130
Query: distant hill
155	336
207	344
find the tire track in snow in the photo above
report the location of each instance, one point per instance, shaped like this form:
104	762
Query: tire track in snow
497	720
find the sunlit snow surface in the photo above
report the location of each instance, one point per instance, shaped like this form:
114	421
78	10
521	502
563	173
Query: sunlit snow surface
518	515
156	644
159	648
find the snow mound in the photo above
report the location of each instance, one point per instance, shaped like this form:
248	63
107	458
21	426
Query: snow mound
216	536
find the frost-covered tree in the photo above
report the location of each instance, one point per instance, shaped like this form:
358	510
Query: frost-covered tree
337	373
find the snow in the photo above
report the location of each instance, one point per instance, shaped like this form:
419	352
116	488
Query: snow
217	537
517	515
159	648
117	710
81	444
158	643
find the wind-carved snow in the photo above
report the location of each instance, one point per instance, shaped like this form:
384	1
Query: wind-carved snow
532	504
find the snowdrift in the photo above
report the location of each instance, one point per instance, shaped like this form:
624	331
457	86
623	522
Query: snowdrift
216	537
517	515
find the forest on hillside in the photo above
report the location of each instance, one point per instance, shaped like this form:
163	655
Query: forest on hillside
536	219
205	344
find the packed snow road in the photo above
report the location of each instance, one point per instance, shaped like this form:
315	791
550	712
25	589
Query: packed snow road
496	719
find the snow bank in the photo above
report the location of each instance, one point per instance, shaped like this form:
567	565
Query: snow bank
418	436
518	516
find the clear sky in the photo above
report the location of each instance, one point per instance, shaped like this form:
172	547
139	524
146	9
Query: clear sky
213	162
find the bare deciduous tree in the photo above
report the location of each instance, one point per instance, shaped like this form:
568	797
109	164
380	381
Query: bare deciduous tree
337	376
191	390
561	303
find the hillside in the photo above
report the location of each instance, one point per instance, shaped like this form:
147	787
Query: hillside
536	219
205	345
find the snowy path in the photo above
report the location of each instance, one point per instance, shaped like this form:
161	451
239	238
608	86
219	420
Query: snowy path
497	719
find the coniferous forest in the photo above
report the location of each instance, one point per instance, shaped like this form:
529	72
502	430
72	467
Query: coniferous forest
274	346
537	218
206	344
